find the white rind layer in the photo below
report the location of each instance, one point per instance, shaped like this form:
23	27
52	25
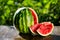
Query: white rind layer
33	32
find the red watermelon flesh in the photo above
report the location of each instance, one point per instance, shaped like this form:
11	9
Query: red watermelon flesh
35	17
34	28
45	29
34	14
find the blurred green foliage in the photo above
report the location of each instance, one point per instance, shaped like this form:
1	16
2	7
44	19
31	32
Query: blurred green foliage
47	10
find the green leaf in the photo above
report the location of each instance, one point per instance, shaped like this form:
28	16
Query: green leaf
38	4
54	1
47	5
6	14
45	1
10	2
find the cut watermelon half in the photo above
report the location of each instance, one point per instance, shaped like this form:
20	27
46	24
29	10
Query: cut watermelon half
45	29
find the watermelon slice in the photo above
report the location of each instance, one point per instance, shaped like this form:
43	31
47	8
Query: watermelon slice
45	28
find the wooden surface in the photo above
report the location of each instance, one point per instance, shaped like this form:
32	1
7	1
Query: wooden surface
54	36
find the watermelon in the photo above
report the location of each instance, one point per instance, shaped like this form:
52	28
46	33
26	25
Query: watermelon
29	22
28	17
45	28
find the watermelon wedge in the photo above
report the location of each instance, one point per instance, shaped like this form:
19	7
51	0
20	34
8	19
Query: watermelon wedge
45	28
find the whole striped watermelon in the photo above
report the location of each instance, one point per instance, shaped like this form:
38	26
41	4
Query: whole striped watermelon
26	19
